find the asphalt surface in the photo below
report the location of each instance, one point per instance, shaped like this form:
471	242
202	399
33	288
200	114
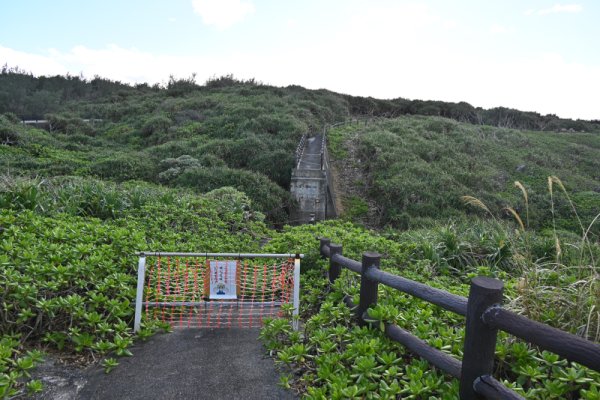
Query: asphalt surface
311	157
191	364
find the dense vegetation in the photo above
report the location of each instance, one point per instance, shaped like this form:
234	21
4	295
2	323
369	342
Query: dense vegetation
32	98
425	180
222	134
333	358
119	168
416	169
68	278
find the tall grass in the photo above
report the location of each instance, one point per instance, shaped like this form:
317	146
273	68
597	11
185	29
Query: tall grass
79	196
562	288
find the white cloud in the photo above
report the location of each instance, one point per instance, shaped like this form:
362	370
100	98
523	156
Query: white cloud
34	63
450	24
222	14
501	29
546	83
291	23
113	62
557	9
401	18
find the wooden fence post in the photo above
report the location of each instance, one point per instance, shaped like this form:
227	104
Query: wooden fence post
334	268
368	288
480	340
323	242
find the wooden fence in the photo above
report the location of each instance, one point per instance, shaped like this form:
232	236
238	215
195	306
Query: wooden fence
484	317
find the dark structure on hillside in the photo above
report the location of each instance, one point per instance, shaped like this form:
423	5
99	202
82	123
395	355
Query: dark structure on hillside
312	185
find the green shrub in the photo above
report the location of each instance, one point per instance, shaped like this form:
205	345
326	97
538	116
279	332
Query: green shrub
173	167
266	195
155	126
179	87
125	167
355	208
222	148
211	161
231	203
275	125
277	164
15	365
11	117
188	115
172	149
9	136
244	151
69	125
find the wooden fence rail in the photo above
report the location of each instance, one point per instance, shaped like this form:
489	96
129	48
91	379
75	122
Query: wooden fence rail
484	318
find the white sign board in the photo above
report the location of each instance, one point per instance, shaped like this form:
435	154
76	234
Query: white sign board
223	280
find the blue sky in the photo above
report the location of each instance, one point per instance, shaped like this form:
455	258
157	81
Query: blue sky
532	55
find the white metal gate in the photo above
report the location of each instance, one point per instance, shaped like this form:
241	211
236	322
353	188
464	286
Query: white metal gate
216	290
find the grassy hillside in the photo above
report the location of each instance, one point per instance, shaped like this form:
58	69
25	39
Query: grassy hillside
418	168
242	135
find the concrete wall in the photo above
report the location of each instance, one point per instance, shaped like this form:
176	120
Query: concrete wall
309	189
331	211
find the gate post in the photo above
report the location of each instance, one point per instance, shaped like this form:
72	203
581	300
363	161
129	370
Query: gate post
139	295
296	311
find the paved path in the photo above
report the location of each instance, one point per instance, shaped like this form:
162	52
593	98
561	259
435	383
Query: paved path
191	364
311	157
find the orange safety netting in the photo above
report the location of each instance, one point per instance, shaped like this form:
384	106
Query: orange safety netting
178	291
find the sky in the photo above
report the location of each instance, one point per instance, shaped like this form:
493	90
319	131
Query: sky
534	55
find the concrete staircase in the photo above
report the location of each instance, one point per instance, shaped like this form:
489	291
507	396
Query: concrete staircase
311	184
